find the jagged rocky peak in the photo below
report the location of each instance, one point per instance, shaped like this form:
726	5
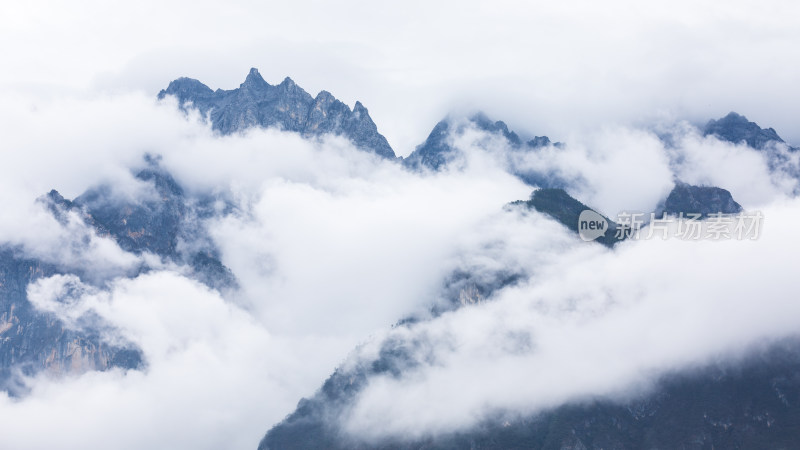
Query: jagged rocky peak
288	84
324	97
254	78
256	103
736	128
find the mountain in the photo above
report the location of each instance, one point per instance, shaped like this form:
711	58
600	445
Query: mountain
736	128
704	200
683	199
162	220
749	405
32	341
438	150
715	407
781	158
754	403
565	209
165	221
286	105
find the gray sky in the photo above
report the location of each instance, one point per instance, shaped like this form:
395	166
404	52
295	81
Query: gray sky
543	67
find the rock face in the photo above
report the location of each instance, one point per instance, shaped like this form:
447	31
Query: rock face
286	105
163	220
736	128
434	153
32	340
704	200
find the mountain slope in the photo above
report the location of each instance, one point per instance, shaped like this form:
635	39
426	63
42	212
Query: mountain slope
162	220
754	403
165	221
439	150
565	209
32	340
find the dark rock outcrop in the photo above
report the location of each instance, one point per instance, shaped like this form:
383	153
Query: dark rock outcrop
565	209
704	200
736	128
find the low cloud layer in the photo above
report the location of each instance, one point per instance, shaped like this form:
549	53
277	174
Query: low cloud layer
332	246
329	244
591	322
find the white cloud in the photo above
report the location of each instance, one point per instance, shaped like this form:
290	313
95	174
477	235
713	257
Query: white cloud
330	245
215	376
590	323
742	170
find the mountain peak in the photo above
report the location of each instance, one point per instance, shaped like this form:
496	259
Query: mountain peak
254	79
704	200
735	128
287	106
733	116
185	88
324	97
437	150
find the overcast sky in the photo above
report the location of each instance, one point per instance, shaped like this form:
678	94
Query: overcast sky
544	67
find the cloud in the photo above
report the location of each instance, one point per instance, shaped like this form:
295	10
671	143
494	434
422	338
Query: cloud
591	322
614	169
332	246
740	169
215	376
